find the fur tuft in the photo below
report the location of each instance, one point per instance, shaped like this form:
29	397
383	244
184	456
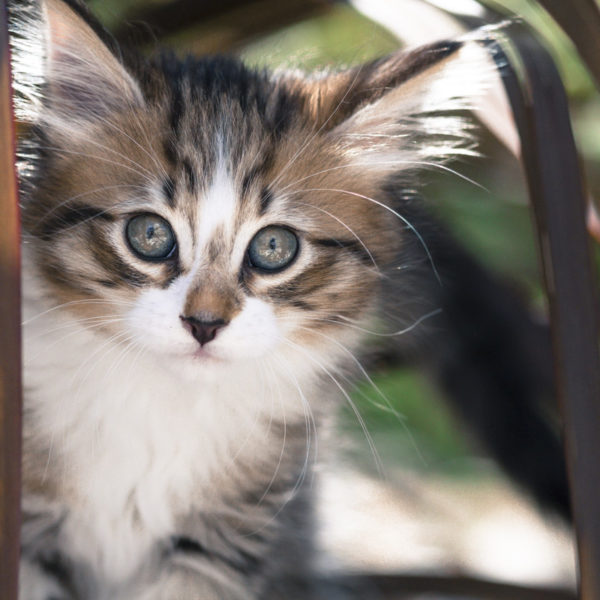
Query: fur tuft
28	57
418	124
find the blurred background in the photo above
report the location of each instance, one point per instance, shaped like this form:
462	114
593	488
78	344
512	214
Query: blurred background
410	491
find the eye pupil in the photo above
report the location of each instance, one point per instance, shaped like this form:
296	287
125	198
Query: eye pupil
272	248
150	237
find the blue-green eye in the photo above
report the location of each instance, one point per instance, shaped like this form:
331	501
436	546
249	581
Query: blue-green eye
273	248
150	237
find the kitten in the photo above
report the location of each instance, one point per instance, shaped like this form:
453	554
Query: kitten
206	249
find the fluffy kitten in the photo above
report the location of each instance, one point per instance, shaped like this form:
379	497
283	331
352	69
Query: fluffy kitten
206	247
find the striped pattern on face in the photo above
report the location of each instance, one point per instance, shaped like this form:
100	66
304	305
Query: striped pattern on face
219	152
218	172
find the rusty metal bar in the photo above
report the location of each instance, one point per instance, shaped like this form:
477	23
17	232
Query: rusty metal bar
405	587
558	199
10	340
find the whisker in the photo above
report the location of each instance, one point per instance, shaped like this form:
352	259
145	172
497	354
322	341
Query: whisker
44	351
403	331
359	417
346	322
316	133
98	353
141	168
252	428
130	343
412	163
408	224
347	227
152	157
266	364
87	324
60	150
77	302
387	406
83	194
308	420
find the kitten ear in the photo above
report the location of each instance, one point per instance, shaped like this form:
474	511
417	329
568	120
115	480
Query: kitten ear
393	113
63	70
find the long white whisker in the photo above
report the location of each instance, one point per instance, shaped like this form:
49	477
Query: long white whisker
59	150
87	193
89	324
284	439
252	428
403	331
141	168
387	406
152	157
130	344
346	322
77	302
408	224
309	421
45	350
359	417
99	352
412	163
347	227
314	135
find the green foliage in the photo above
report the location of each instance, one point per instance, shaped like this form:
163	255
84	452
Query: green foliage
342	37
409	423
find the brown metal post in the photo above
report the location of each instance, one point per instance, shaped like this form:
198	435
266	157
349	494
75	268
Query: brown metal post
10	335
558	198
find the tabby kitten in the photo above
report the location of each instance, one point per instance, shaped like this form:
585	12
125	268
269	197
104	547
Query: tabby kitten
206	248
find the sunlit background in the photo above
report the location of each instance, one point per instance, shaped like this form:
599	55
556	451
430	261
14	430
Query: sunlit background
438	503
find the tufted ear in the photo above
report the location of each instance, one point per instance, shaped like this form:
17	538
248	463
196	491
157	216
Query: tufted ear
397	111
64	69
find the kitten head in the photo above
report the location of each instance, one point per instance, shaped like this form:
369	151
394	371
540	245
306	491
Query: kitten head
212	213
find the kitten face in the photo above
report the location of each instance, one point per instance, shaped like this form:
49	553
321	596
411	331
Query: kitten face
215	159
218	178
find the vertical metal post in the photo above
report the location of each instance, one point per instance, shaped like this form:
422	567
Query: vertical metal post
10	335
558	199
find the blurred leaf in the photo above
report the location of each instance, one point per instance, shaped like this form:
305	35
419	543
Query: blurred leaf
340	38
422	435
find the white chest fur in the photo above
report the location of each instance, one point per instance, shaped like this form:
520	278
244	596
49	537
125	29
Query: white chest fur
133	444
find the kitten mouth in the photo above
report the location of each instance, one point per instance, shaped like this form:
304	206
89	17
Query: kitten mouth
204	355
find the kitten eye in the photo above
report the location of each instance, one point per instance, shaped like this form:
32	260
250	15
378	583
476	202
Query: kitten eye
273	248
150	237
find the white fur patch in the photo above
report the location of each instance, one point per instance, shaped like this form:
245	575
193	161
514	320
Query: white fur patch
140	428
217	207
27	58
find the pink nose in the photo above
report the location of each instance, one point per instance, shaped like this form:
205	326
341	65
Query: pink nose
203	331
